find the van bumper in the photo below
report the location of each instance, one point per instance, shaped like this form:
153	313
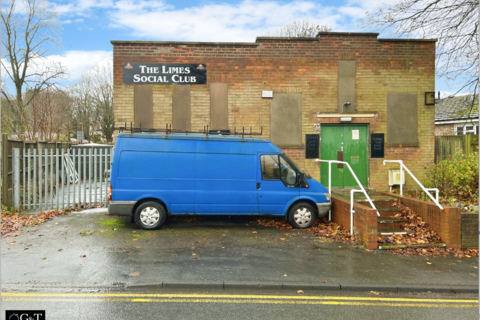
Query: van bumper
323	208
121	208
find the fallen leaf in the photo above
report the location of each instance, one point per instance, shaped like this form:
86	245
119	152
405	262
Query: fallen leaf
134	274
13	242
429	263
83	255
43	258
299	291
134	239
283	239
60	249
324	281
254	232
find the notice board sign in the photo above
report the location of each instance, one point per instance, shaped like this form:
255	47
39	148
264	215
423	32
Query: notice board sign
378	145
164	73
312	144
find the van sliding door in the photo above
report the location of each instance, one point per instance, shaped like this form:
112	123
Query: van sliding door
225	183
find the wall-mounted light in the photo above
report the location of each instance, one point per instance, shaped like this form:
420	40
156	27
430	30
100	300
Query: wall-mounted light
346	103
429	98
346	119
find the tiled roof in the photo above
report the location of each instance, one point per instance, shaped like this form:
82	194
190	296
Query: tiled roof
456	108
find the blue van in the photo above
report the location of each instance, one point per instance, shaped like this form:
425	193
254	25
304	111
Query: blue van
154	174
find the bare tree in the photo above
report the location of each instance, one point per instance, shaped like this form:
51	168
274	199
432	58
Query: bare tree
303	28
50	112
93	101
453	22
29	32
83	104
102	94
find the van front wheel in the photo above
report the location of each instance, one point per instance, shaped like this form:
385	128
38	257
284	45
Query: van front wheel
150	215
302	215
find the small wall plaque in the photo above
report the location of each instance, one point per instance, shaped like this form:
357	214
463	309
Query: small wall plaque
312	146
378	145
267	94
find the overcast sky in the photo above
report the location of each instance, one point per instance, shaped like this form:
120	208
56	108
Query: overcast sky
90	25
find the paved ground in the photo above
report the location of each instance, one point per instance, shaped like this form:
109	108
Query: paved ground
211	252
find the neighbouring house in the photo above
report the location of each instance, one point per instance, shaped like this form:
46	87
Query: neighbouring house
340	95
456	115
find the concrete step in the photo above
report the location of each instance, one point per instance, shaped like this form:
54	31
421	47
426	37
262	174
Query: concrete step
388	231
387	220
403	246
387	209
359	197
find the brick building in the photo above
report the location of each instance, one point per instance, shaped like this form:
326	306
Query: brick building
456	115
342	87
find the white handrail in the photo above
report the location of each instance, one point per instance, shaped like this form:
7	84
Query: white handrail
351	193
426	190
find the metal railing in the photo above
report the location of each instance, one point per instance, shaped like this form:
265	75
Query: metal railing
351	191
55	179
426	190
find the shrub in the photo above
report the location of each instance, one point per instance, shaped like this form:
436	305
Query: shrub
455	177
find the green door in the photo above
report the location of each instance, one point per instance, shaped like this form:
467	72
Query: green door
344	142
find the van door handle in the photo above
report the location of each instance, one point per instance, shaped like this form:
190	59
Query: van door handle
258	185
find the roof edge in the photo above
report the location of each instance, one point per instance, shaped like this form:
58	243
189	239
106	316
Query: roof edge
406	40
371	34
115	42
288	38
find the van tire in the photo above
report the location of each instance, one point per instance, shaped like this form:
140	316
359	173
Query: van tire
302	215
150	215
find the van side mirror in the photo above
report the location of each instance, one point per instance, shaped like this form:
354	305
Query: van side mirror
301	180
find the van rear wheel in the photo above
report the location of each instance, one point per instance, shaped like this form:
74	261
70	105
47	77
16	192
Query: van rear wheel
302	215
150	215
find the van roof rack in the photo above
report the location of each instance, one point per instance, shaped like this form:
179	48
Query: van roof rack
206	130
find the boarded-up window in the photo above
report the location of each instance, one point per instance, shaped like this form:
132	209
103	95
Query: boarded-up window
286	119
346	85
181	112
402	119
143	101
219	106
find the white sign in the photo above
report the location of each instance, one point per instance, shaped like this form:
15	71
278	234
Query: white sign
267	94
355	135
316	127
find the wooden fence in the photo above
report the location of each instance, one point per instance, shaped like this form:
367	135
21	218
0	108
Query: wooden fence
446	146
7	169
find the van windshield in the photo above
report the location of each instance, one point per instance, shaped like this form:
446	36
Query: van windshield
294	165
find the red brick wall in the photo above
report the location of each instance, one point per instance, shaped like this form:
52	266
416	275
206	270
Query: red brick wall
295	66
448	223
364	220
365	225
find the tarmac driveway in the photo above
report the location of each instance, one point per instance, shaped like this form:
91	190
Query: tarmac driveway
92	250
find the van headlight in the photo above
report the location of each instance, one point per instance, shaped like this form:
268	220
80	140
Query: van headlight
327	196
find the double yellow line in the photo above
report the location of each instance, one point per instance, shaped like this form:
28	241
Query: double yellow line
227	298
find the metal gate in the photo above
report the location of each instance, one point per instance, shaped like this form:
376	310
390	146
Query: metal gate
55	179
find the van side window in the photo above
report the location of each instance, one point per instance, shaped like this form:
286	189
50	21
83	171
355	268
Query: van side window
288	174
270	167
